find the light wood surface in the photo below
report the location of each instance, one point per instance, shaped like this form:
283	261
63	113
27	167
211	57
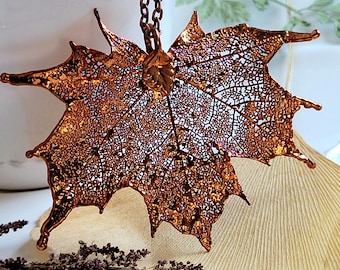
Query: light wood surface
293	222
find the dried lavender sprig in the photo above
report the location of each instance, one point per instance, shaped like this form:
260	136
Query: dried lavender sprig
107	257
4	228
116	256
173	265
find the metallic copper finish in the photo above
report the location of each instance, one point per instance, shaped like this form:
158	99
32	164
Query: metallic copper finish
149	29
174	148
158	73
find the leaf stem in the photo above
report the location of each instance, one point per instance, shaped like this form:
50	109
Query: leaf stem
296	11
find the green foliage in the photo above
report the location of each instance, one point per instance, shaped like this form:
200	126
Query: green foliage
225	10
296	21
322	2
206	8
184	2
261	4
232	11
326	11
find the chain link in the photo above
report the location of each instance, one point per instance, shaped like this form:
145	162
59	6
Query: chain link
151	32
157	14
145	14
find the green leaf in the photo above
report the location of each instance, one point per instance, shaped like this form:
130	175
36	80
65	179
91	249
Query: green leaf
232	11
261	4
295	21
184	2
305	23
321	3
323	17
336	8
206	8
302	22
289	26
337	28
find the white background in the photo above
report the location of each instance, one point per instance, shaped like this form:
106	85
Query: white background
34	35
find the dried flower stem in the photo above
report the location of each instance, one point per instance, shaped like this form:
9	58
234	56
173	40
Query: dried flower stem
93	257
4	228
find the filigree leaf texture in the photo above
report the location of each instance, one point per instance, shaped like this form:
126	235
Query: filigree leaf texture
165	124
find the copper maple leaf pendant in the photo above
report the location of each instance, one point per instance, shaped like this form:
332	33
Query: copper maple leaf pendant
165	124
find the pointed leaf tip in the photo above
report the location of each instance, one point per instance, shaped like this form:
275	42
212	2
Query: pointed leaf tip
244	197
73	45
195	16
315	34
4	77
310	164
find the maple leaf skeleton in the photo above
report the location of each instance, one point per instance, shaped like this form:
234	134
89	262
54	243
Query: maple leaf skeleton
165	124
